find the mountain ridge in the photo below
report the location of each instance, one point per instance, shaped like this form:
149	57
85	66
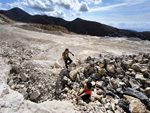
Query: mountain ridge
78	25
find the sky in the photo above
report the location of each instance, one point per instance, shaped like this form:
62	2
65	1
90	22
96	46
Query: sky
123	14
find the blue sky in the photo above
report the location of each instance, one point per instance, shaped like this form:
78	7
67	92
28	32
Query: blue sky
124	14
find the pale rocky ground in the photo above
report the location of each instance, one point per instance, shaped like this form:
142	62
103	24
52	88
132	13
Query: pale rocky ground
46	52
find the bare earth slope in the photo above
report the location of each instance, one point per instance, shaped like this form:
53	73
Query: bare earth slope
46	49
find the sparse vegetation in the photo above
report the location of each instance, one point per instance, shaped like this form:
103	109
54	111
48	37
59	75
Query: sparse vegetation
6	19
48	27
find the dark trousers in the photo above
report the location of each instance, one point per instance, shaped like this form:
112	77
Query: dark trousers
67	62
86	98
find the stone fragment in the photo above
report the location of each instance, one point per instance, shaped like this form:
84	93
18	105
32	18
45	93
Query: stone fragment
129	98
24	77
99	97
65	81
57	65
35	94
99	83
145	60
134	84
11	82
124	105
118	70
99	92
139	75
147	92
102	71
124	65
106	60
93	83
114	83
146	74
145	81
133	74
95	76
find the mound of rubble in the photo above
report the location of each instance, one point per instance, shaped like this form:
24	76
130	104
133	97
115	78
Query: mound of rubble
119	83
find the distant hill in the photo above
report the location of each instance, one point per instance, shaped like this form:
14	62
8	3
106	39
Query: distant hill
78	25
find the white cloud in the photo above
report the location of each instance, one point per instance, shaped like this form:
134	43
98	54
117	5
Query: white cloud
15	4
84	7
124	3
60	14
1	8
94	1
40	5
107	7
50	7
55	13
77	13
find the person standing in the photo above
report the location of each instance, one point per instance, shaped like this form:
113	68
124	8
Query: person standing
66	58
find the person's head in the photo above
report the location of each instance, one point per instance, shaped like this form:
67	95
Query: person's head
89	85
66	50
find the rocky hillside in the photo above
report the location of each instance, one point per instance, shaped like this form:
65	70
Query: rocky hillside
78	25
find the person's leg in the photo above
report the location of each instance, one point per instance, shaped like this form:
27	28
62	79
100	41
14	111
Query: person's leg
86	98
70	61
66	64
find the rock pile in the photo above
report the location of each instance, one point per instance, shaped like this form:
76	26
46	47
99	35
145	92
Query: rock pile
36	80
119	83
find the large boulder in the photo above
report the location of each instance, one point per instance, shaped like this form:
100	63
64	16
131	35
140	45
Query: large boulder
73	75
95	76
64	72
135	93
137	107
136	66
110	68
124	65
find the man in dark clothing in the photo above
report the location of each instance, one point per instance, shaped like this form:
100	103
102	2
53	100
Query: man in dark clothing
66	58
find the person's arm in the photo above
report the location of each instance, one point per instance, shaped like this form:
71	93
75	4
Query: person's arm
81	92
80	96
71	53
